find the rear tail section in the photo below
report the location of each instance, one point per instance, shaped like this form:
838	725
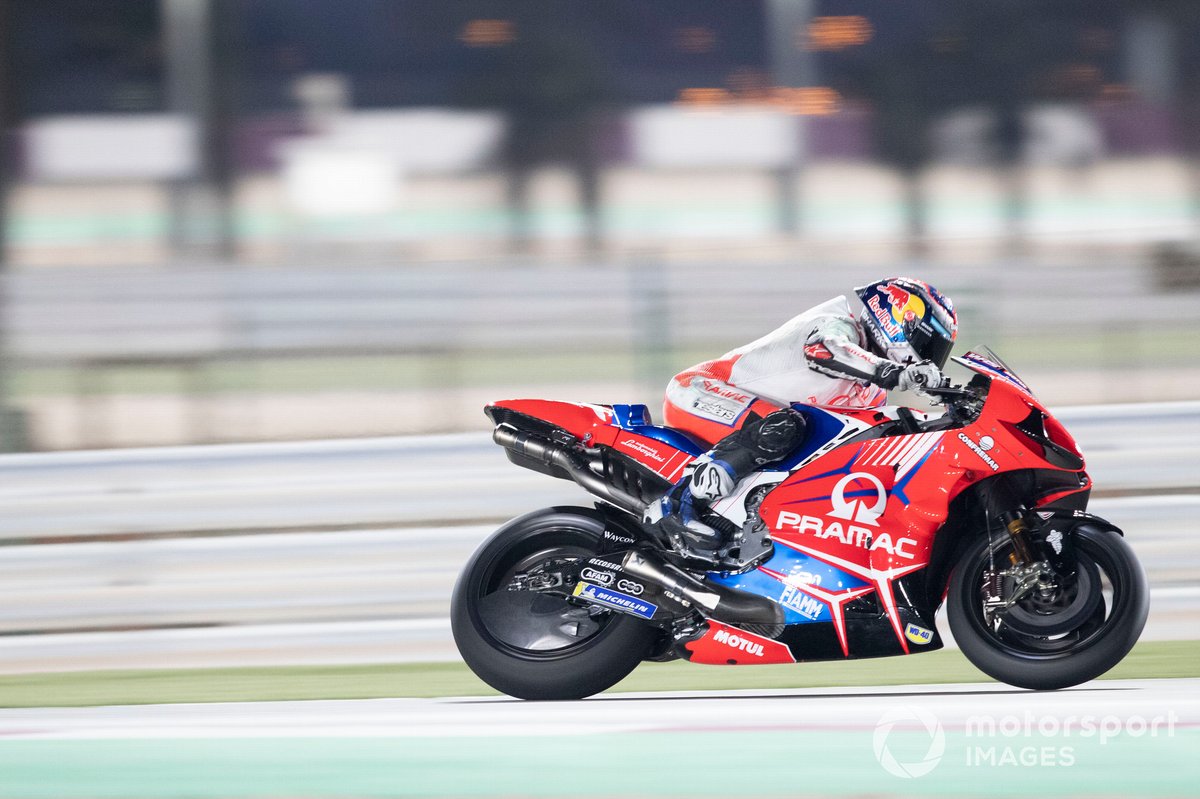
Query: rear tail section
611	450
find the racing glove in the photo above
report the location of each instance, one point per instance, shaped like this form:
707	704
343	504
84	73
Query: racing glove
918	376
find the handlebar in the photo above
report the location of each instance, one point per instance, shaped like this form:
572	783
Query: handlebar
963	404
950	391
943	390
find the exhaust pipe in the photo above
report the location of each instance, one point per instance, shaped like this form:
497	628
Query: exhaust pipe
719	602
549	453
722	603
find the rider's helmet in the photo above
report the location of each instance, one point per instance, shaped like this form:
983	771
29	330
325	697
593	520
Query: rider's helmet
908	320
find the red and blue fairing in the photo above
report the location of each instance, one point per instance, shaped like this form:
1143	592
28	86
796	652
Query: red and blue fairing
854	514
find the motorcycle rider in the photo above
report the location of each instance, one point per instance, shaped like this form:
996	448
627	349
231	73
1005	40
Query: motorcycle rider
824	356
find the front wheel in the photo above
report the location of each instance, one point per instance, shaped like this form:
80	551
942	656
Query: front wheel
515	627
1069	630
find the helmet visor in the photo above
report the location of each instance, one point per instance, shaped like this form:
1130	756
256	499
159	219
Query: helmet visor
930	340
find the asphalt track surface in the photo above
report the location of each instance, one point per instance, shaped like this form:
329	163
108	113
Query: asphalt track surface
1104	738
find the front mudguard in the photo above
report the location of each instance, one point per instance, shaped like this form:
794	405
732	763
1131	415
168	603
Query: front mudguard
1056	534
1075	518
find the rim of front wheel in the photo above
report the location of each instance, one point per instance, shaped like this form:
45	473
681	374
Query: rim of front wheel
1090	603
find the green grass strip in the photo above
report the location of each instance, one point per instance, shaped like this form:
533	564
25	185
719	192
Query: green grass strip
1150	659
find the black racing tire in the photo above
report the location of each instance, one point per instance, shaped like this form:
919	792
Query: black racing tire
570	672
1083	655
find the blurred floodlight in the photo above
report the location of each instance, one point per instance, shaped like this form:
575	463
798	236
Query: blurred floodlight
836	33
675	137
320	180
808	101
488	33
111	147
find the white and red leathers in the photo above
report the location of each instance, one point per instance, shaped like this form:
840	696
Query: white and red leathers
819	357
740	403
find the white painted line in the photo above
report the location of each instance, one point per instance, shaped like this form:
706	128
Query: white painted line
737	711
316	631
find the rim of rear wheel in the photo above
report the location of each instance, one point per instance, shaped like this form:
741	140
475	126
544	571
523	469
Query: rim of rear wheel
533	625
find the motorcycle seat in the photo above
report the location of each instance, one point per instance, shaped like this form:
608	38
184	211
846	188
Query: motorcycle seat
636	418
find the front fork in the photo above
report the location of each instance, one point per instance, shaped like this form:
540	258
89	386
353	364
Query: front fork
1016	523
1004	499
1037	560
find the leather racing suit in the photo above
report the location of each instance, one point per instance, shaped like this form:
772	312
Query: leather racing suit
740	403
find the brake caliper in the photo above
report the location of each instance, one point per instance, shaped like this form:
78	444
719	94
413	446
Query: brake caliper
1003	589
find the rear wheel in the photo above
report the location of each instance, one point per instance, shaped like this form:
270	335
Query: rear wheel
1073	629
530	641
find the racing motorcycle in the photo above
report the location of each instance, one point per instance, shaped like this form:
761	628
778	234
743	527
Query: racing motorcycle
845	550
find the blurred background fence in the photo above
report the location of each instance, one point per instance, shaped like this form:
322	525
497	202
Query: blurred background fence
145	356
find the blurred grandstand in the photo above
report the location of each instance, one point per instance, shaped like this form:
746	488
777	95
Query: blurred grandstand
226	220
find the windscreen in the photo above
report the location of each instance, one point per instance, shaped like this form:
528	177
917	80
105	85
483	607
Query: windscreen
986	361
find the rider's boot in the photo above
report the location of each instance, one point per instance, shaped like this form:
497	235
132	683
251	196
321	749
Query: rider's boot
677	514
716	474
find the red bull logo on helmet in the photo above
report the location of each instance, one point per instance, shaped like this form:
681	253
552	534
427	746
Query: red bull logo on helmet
898	296
896	303
906	306
889	326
